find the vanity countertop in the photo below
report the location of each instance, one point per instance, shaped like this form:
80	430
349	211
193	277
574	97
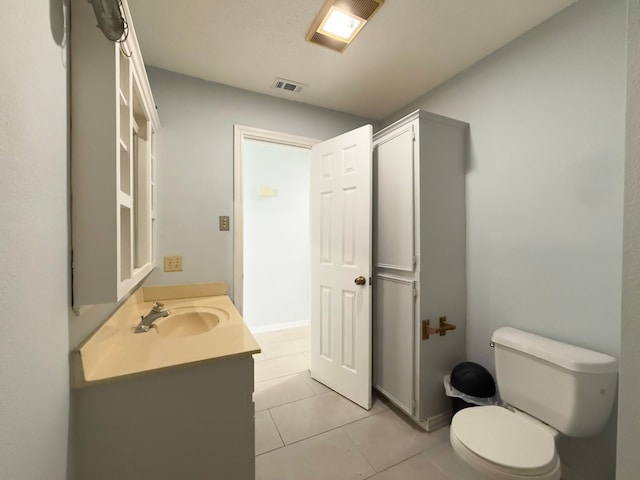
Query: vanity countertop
114	351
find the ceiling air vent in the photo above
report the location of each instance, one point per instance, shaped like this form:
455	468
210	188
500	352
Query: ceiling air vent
287	85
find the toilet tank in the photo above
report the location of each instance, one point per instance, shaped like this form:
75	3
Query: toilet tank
568	387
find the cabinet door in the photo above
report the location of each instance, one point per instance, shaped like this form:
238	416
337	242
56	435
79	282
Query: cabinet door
393	340
394	244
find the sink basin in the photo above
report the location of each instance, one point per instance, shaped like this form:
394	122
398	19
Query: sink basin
188	321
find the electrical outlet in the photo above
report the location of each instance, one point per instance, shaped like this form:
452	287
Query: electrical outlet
173	263
224	223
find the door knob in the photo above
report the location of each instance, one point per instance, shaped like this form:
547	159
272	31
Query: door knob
360	280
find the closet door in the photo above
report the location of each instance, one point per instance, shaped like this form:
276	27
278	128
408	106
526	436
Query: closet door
394	246
393	340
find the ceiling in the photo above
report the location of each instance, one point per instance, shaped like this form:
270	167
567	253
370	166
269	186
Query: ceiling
408	48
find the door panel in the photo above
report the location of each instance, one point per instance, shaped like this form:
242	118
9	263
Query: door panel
393	340
394	213
340	355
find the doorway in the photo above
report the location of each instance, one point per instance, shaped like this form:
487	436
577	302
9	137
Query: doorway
271	228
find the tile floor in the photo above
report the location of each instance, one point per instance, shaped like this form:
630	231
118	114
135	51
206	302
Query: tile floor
305	431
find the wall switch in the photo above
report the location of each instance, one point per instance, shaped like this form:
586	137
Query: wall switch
224	223
173	263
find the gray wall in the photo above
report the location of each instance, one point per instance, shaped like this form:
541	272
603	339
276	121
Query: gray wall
629	407
34	283
545	190
195	165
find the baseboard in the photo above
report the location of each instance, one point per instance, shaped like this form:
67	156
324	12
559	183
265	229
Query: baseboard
278	326
430	424
434	422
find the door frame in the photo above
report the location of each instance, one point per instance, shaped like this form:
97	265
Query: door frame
241	133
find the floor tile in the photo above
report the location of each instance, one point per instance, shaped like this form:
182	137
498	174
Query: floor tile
267	437
443	457
279	367
279	391
286	347
259	357
329	456
442	434
314	415
265	338
297	332
316	386
418	467
386	439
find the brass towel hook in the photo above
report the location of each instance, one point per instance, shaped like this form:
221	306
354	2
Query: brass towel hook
442	330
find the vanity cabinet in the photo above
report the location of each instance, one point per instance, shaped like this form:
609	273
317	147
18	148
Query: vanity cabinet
194	422
419	261
169	403
113	161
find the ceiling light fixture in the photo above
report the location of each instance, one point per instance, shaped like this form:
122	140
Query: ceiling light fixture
341	25
339	21
110	19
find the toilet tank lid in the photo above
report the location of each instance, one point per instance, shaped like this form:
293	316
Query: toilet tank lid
569	357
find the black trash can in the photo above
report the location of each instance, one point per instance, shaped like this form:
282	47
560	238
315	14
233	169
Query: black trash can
471	379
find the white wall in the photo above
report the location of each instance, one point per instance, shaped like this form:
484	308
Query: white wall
545	189
195	165
34	284
276	235
629	406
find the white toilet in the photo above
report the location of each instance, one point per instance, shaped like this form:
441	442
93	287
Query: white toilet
550	388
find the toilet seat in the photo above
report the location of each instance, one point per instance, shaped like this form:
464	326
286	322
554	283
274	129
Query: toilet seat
504	444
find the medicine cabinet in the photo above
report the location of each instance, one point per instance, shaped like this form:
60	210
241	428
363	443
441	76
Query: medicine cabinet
113	162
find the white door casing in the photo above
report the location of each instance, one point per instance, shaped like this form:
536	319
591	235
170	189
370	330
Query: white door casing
341	233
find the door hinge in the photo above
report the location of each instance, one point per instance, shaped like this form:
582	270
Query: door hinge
415	292
413	134
414	259
413	407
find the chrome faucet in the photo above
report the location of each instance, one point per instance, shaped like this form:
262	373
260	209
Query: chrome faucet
147	320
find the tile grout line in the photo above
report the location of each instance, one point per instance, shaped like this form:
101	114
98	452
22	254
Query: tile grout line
322	433
313	394
355	445
404	460
294	401
277	430
279	376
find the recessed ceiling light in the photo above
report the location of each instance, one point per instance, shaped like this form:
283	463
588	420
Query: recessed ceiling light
339	22
341	25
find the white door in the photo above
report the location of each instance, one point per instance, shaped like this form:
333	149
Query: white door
340	219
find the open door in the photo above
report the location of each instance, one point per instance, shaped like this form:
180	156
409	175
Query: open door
340	218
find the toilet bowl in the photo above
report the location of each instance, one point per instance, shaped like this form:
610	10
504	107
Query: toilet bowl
503	445
548	388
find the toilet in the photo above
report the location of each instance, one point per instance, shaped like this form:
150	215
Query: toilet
549	388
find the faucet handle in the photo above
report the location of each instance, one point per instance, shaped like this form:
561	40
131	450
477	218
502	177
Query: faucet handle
157	306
